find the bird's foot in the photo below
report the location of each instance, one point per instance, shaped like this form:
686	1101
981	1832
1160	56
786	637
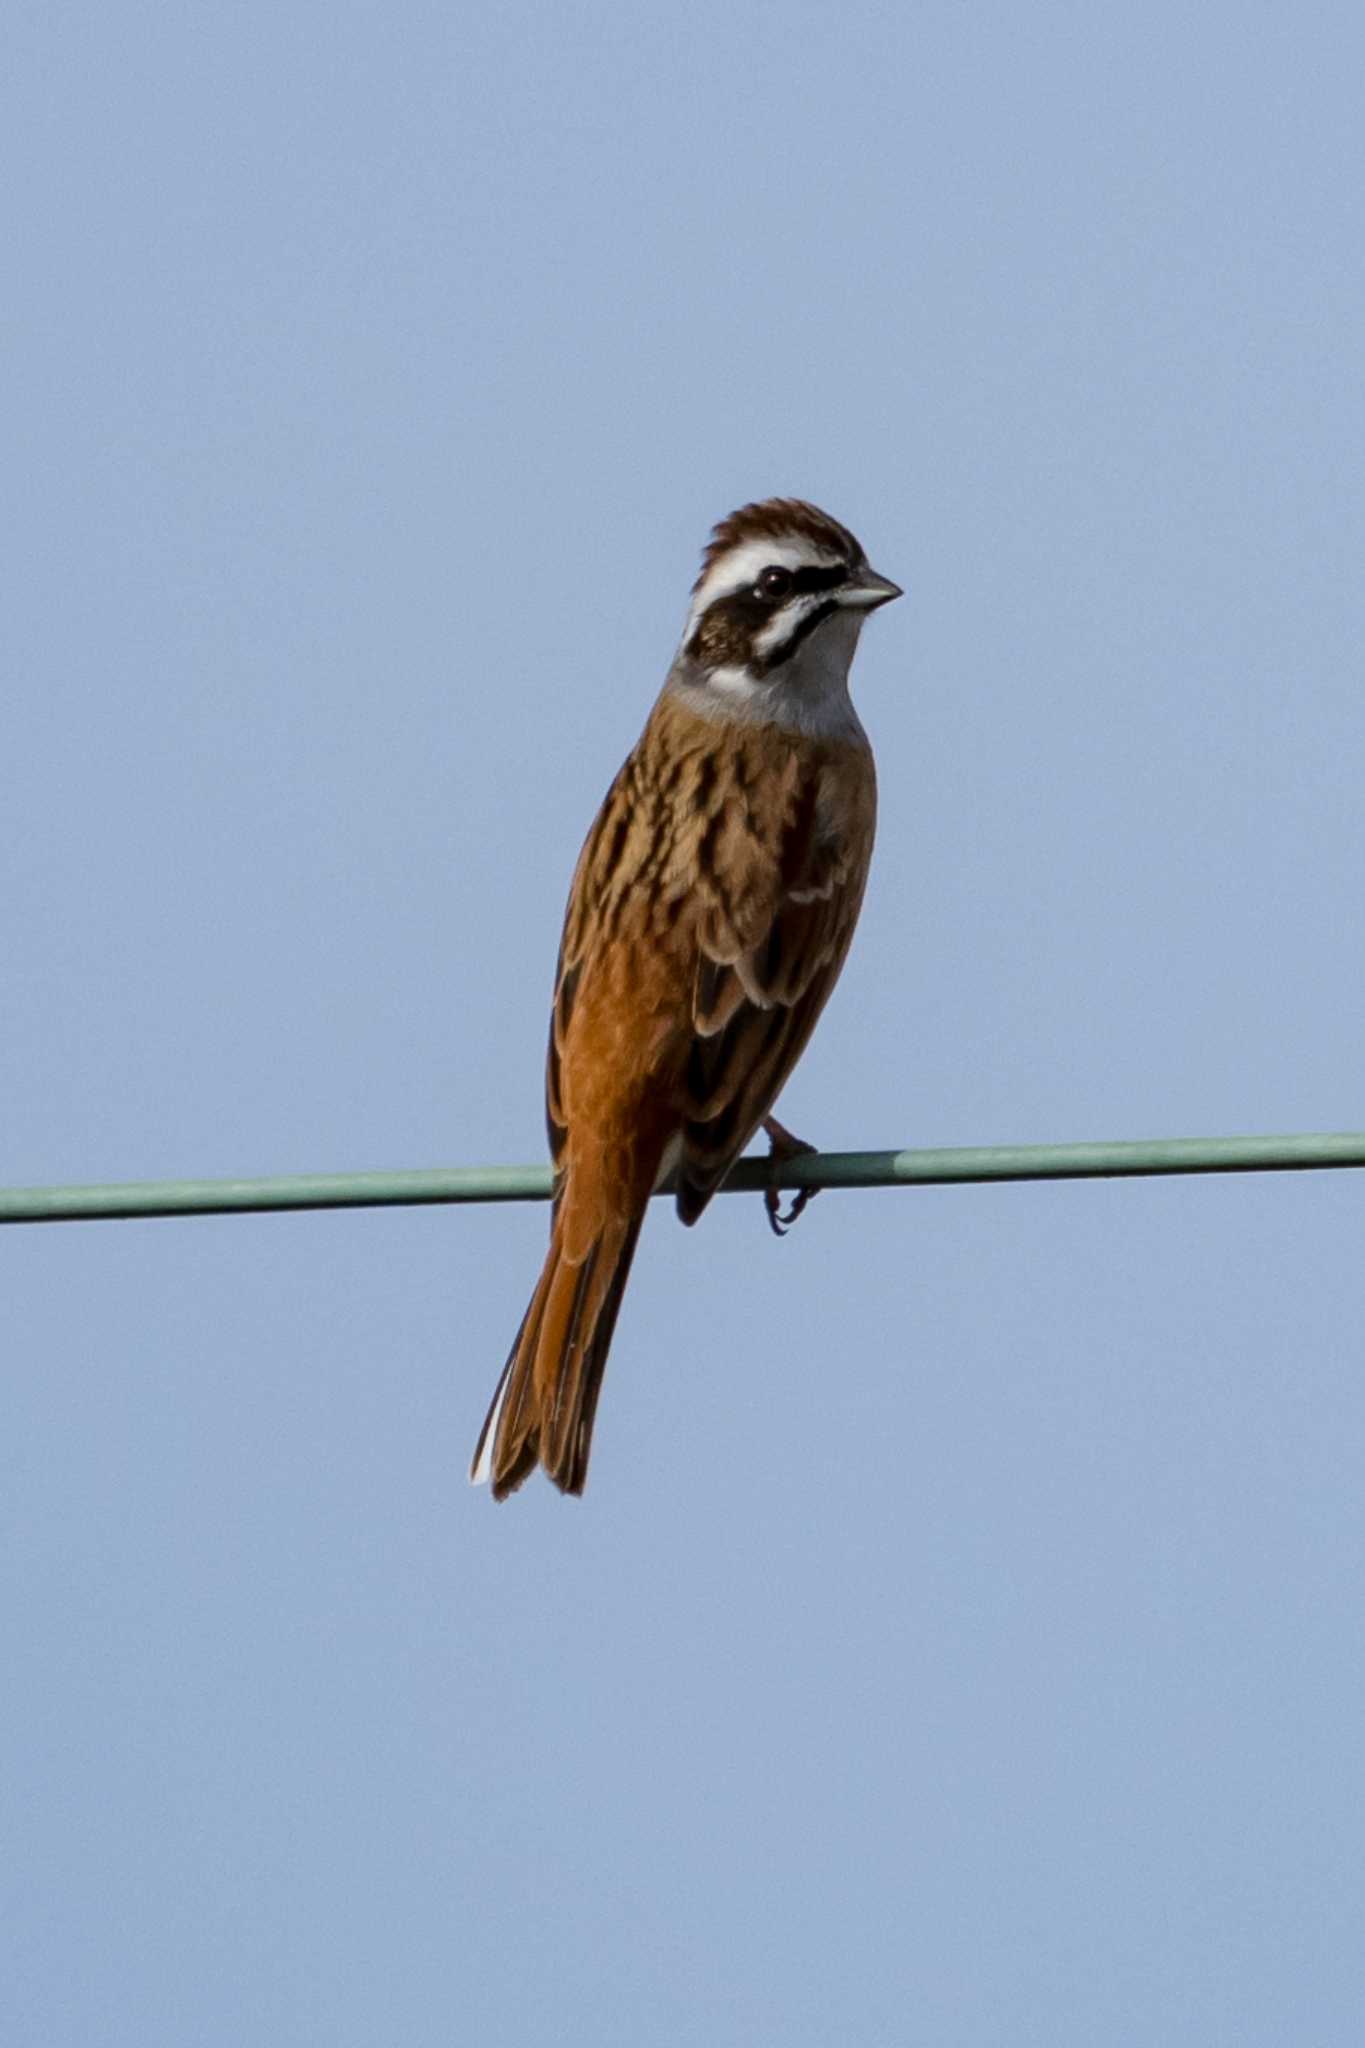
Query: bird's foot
782	1146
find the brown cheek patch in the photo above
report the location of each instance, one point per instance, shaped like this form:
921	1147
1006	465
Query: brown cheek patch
725	631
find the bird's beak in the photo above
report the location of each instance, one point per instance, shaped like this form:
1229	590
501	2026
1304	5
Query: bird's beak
867	590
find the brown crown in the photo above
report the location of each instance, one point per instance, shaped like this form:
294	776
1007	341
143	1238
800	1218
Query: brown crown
777	519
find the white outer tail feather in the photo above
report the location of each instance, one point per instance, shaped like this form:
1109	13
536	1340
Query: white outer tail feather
482	1469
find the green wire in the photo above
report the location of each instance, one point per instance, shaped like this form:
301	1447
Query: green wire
960	1165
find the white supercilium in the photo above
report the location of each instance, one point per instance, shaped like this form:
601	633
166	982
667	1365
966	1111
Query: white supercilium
741	566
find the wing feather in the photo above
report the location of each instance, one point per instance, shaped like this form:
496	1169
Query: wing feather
761	984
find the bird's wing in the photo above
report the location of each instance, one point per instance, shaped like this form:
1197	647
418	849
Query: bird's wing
763	976
611	857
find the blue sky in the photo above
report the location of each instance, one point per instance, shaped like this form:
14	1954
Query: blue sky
960	1641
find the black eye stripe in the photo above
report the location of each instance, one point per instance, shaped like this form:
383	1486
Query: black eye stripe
804	580
725	633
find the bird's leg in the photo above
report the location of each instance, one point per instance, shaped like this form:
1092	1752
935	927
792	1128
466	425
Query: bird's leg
782	1146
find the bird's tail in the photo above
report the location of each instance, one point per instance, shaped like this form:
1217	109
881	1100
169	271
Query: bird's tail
542	1412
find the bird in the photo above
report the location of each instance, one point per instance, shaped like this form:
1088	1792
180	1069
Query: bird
710	912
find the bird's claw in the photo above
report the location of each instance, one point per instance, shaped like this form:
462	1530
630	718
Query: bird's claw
782	1146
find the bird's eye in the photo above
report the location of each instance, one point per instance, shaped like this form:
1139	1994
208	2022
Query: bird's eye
774	582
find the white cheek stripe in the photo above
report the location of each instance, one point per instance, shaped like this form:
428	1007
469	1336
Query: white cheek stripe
785	623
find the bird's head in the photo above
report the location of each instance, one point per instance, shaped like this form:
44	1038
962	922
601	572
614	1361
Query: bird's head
776	612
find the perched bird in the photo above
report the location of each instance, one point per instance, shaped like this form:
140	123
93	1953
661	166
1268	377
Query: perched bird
709	915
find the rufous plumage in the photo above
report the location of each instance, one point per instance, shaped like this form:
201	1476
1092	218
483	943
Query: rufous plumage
709	916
